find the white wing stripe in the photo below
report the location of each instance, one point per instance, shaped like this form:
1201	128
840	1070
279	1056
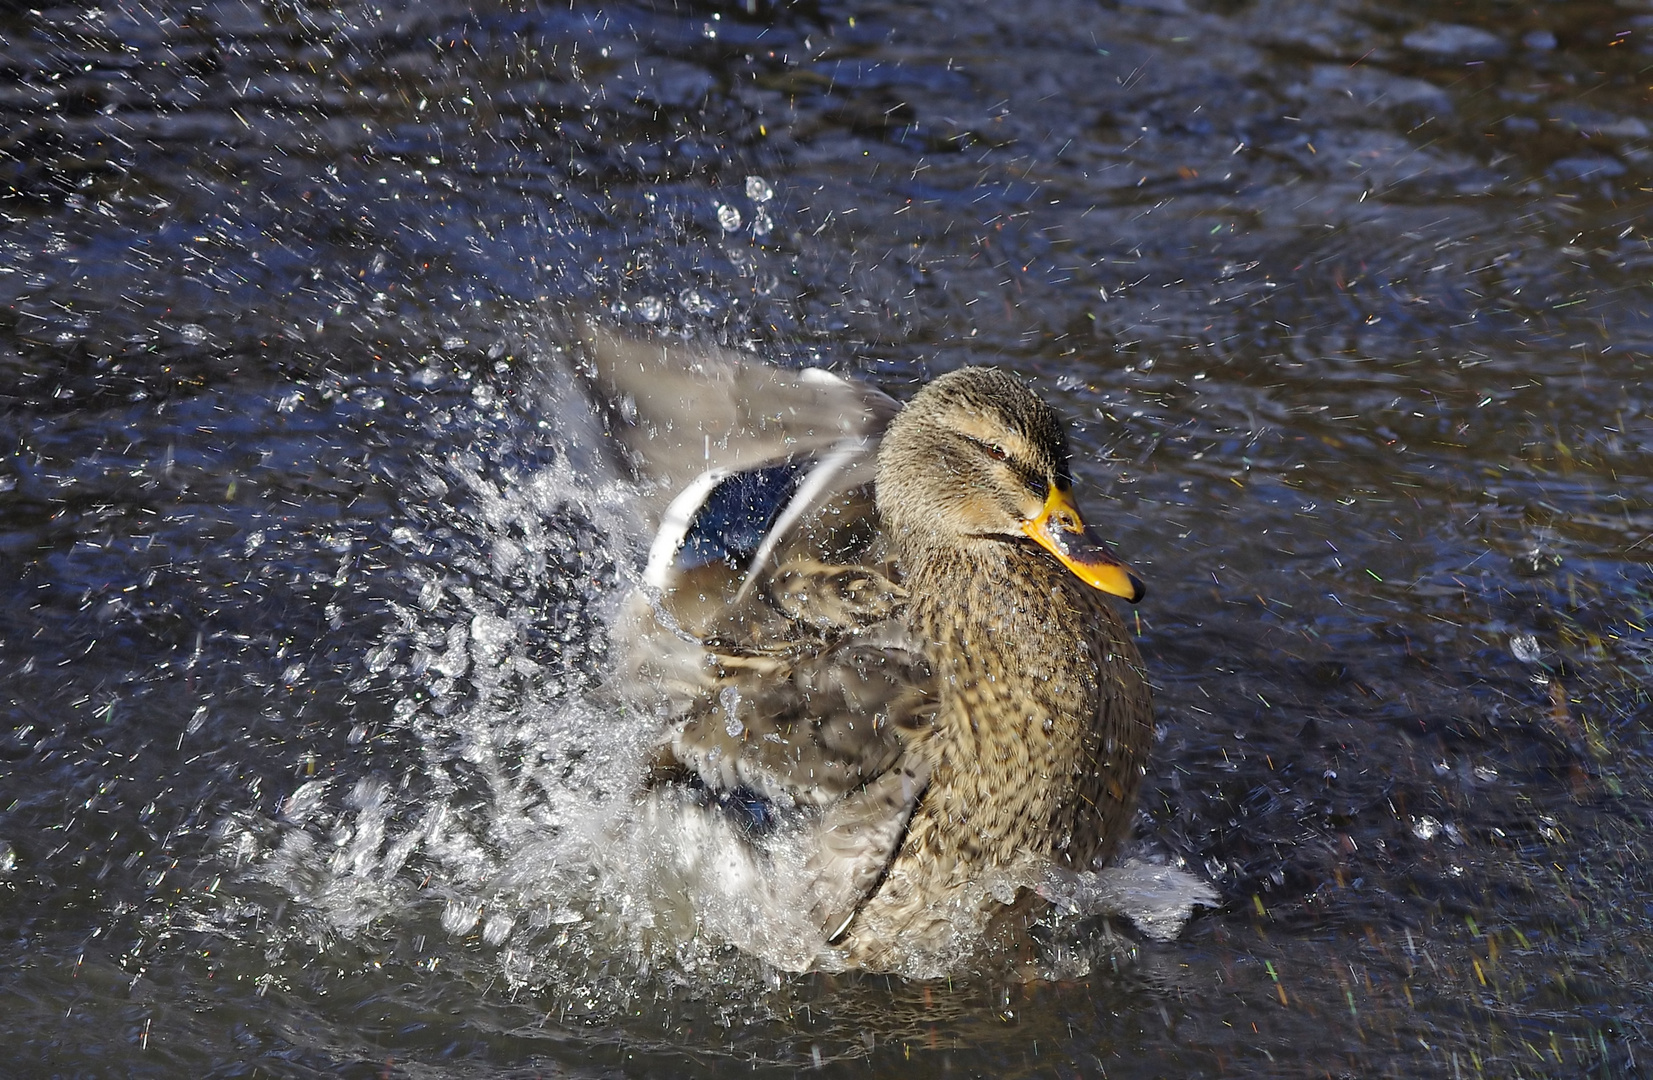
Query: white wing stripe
674	525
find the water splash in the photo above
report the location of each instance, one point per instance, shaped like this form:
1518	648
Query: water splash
511	812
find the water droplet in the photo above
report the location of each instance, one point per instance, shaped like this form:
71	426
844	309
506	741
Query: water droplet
696	303
497	928
729	698
491	635
651	308
455	661
1525	648
728	217
430	595
758	189
458	917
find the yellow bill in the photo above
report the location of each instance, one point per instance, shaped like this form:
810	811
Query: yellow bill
1061	531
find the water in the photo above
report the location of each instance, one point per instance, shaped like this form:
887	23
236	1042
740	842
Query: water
306	767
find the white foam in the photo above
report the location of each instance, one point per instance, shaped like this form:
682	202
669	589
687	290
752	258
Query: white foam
1158	900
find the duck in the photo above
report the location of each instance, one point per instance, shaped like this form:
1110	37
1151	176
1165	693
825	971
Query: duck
886	628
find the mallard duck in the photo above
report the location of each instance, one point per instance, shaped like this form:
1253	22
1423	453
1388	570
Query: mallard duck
885	625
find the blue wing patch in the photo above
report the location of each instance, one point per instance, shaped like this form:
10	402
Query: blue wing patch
736	516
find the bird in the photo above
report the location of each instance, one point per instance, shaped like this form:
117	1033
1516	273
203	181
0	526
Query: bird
884	628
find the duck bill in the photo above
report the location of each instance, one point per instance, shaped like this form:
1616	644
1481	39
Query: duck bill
1061	531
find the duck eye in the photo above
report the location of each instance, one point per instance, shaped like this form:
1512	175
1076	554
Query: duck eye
992	450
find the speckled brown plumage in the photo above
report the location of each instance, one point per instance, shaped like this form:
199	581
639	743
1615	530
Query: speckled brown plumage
940	692
1040	739
1044	718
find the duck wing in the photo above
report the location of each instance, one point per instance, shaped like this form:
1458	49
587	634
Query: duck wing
770	618
833	717
682	411
801	730
746	468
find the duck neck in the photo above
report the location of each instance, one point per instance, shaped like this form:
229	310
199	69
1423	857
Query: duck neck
1012	638
998	604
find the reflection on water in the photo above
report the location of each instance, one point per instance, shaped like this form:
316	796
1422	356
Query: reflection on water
306	765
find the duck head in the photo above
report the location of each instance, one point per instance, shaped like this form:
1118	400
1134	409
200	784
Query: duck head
976	458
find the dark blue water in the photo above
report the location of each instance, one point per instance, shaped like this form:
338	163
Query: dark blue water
307	552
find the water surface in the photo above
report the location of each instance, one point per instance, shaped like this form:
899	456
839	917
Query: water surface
308	554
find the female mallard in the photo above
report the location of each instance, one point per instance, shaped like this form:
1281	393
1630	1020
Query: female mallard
883	625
